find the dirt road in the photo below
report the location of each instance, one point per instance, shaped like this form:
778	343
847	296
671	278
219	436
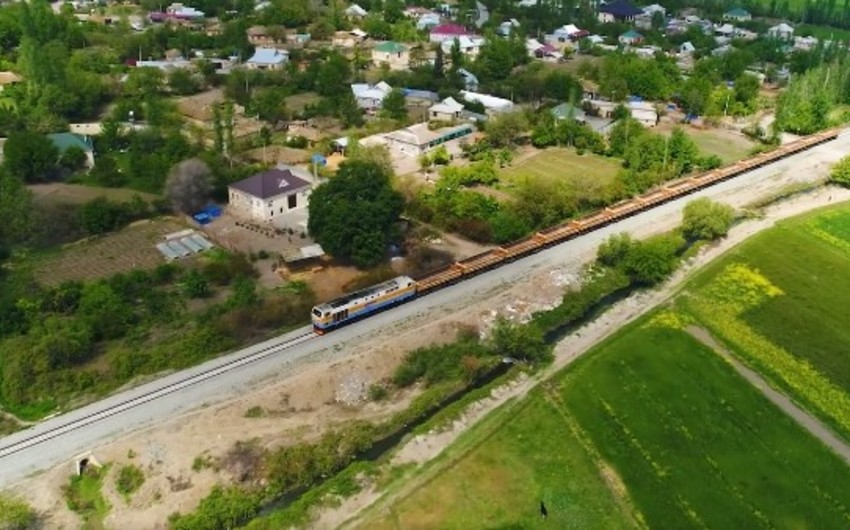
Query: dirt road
806	420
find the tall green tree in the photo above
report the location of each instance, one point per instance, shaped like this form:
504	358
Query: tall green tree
394	105
29	156
353	215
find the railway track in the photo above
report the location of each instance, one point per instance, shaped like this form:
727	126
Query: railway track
118	408
447	276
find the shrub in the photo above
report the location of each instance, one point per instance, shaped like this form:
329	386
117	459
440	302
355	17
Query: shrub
130	478
377	392
706	219
16	514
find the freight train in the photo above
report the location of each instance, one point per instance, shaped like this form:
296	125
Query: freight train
362	303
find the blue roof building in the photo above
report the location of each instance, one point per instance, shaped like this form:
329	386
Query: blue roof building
268	59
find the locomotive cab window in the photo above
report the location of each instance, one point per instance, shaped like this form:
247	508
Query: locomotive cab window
316	312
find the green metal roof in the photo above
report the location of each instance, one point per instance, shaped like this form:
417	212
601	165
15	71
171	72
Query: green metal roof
65	140
737	12
390	47
565	111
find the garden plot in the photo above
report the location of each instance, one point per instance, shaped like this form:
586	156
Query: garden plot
101	257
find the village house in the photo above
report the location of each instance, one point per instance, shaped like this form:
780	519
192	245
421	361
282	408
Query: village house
737	15
428	21
545	52
393	54
687	48
566	34
181	12
448	32
267	59
267	195
9	78
781	31
370	97
805	43
419	139
348	39
354	11
66	140
492	104
641	111
448	110
263	36
565	111
470	81
617	11
469	45
630	38
506	27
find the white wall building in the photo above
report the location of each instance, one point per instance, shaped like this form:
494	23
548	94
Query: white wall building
267	195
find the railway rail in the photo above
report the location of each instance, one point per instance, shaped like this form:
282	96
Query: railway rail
453	273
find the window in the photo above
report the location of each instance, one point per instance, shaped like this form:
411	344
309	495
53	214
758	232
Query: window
292	201
281	209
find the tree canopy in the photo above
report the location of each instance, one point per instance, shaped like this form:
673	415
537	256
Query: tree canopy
29	156
353	215
705	219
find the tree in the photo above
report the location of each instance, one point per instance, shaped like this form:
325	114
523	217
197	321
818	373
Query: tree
614	250
73	159
99	216
182	82
15	209
394	105
353	215
189	185
333	75
503	130
29	156
518	341
746	88
652	261
705	219
270	105
840	173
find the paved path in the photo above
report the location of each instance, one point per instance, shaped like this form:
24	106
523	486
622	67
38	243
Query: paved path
818	429
249	376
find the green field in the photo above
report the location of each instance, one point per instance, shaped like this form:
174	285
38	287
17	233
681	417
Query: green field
681	440
563	163
653	428
728	145
779	301
822	32
497	475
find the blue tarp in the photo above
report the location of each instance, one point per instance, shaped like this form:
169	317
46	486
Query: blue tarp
202	218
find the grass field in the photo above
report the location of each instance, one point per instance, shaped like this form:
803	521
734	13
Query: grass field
823	32
563	163
788	316
730	146
297	102
497	475
697	446
651	426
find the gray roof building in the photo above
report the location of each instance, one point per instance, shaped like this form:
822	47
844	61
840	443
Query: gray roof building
271	183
